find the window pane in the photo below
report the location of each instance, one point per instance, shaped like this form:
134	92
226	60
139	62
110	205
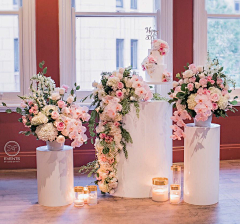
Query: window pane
96	45
9	54
116	5
9	5
222	6
224	43
119	53
134	46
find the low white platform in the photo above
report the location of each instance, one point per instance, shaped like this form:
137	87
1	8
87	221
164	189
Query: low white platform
150	155
201	164
55	176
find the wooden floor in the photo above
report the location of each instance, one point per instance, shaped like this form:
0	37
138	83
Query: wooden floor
18	204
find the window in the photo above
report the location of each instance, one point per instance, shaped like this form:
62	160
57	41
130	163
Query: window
16	55
134	46
119	53
237	6
101	37
17	27
119	3
133	4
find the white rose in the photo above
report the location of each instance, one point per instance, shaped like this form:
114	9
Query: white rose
175	84
180	82
94	84
200	68
70	99
197	85
61	139
55	96
188	73
119	75
202	75
121	70
186	80
61	91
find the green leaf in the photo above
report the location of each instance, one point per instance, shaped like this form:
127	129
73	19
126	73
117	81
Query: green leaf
9	111
178	76
45	70
183	87
234	102
19	110
235	97
105	150
72	92
180	95
20	120
4	104
78	87
40	65
27	133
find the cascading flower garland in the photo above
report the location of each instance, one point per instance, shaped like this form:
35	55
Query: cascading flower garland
200	92
112	98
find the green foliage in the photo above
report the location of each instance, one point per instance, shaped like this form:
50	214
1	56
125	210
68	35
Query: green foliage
137	107
19	110
77	87
4	104
157	96
9	111
44	71
91	168
125	106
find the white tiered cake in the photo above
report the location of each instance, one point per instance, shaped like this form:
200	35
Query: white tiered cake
153	64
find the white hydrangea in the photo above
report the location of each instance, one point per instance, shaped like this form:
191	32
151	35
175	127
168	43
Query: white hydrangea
191	101
46	109
223	102
113	81
47	132
40	118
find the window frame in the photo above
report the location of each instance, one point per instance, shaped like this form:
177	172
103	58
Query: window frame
27	58
200	35
134	4
132	53
67	15
119	61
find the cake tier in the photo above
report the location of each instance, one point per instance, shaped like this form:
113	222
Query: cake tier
150	154
156	75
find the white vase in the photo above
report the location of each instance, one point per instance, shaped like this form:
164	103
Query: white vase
54	146
206	123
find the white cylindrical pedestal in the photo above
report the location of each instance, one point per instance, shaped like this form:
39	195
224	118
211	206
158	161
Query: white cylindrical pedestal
150	154
201	164
55	176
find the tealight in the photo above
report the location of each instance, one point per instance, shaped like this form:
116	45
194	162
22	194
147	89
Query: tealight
79	198
92	200
176	174
175	194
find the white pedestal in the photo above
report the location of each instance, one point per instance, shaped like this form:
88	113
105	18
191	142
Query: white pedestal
150	155
55	176
201	164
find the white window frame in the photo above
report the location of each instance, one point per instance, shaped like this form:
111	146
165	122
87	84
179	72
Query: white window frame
200	35
27	57
67	15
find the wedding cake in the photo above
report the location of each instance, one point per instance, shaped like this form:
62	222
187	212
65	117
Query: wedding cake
154	65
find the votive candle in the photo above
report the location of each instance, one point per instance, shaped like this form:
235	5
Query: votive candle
160	189
175	194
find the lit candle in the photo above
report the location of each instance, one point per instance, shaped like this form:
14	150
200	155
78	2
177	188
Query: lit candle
176	174
92	195
175	194
79	196
160	189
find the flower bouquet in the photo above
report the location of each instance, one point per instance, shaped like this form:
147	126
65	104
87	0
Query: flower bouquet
199	93
112	98
49	116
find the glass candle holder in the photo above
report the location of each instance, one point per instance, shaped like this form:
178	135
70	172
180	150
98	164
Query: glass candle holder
175	194
176	174
85	194
78	196
160	189
92	200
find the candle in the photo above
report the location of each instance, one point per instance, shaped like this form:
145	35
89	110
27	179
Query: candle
86	195
79	196
175	194
160	189
176	174
92	200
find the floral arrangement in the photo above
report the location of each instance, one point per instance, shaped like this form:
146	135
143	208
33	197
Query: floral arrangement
112	98
50	117
199	93
166	76
161	46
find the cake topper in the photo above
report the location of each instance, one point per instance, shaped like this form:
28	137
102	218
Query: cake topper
151	34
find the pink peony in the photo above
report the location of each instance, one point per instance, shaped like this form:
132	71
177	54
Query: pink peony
61	104
60	126
190	86
55	115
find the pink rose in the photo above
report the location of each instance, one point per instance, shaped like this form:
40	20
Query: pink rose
117	124
60	126
219	81
55	115
193	68
102	135
61	104
119	94
193	79
203	82
222	86
65	87
212	82
60	139
151	59
30	103
143	68
190	86
120	85
31	111
214	97
215	106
